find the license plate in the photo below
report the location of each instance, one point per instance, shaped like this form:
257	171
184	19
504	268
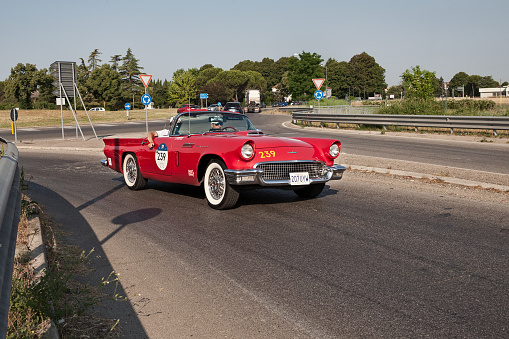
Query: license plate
300	178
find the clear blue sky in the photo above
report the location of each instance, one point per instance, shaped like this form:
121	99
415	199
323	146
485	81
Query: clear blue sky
446	37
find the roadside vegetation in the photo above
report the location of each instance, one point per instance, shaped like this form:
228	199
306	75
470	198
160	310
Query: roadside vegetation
55	295
462	107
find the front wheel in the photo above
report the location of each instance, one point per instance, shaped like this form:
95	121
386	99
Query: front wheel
132	175
220	195
311	191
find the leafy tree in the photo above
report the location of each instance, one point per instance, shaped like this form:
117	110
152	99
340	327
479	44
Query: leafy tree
458	80
246	65
338	77
301	72
105	85
234	83
419	84
93	60
205	75
366	75
183	87
216	90
129	72
159	92
22	82
45	87
255	81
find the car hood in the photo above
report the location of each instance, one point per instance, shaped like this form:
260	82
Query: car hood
264	141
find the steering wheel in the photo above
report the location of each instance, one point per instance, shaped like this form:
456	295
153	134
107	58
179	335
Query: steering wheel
229	127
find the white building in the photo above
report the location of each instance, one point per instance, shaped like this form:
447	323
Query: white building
494	92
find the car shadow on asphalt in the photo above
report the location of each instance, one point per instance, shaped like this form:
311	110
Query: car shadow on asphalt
78	232
259	196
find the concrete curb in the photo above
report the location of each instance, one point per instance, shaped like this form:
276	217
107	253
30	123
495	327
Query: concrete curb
450	180
38	261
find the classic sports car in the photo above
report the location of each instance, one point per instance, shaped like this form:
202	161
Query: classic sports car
226	153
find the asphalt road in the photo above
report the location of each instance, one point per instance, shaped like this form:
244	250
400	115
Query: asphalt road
469	155
372	256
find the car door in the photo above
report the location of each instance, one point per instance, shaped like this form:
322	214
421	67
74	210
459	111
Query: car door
158	160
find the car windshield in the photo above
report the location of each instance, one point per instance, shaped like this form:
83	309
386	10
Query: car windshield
205	122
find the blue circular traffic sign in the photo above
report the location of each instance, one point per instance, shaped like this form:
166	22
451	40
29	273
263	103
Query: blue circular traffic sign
146	99
318	95
127	106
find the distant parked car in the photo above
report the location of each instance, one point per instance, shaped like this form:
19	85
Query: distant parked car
97	109
233	107
188	107
276	104
213	107
284	104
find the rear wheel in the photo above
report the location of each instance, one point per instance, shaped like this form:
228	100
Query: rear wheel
132	175
220	195
311	191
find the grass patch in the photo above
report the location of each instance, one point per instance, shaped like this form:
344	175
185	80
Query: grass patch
39	118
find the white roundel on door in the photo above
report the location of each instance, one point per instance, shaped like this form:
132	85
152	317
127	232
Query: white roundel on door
162	157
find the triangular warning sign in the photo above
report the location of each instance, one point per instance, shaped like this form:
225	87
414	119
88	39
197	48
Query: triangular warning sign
318	83
145	78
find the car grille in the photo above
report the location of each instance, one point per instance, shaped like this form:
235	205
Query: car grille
281	170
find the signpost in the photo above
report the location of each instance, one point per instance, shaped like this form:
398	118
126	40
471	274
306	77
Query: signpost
204	96
146	99
318	94
127	107
14	117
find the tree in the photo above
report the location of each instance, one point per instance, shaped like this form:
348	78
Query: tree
93	60
129	72
115	61
205	75
365	75
22	82
45	87
338	78
234	83
183	87
458	80
255	81
105	85
159	92
301	72
419	84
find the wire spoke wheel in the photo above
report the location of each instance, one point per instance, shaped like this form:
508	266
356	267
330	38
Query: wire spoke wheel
132	175
220	195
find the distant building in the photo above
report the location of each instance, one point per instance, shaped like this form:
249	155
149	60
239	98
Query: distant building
494	92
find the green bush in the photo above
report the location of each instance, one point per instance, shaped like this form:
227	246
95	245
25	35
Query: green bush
433	107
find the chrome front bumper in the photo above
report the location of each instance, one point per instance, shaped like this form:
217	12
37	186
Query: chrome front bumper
255	177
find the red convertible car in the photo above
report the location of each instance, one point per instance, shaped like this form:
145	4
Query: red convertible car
225	153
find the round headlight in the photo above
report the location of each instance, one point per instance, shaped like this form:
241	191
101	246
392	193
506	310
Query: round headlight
247	151
334	150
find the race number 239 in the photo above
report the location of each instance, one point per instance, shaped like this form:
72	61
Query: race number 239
267	154
162	157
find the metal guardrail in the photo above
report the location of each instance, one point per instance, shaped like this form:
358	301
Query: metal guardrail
439	121
10	211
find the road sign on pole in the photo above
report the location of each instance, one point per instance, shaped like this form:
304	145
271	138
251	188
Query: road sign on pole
318	83
145	78
146	99
318	95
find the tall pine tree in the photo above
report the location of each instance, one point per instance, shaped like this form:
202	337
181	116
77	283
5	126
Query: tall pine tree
129	71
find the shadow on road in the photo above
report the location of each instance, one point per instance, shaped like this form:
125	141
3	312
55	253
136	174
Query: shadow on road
77	231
